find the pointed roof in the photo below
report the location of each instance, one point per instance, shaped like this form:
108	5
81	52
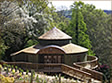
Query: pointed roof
54	34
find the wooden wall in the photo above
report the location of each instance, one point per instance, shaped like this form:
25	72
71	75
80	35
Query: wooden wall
70	59
51	50
25	57
54	42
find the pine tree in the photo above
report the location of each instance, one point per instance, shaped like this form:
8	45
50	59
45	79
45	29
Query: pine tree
77	28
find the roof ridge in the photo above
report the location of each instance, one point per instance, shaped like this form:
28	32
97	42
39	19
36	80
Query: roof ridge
54	34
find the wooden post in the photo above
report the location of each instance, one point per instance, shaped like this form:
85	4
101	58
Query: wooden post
7	71
0	68
16	68
89	80
59	78
31	81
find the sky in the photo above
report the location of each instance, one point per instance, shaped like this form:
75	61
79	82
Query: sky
104	5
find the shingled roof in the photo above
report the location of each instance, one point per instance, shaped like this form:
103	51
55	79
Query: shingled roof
55	34
30	50
68	49
73	48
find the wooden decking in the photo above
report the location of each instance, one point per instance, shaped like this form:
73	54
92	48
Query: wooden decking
91	63
76	71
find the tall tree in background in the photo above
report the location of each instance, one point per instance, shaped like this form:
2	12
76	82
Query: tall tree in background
77	28
64	21
99	31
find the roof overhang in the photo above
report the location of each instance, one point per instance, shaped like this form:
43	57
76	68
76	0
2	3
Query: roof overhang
53	49
74	49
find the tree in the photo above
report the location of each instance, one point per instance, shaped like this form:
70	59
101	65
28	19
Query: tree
21	23
2	48
77	28
99	31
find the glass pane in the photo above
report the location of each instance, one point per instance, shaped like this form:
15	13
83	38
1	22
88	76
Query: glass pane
59	59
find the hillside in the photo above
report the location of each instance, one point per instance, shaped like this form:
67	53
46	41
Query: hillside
68	13
108	11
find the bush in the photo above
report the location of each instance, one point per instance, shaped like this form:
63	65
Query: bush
105	69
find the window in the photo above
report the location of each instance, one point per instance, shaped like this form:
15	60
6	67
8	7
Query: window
52	58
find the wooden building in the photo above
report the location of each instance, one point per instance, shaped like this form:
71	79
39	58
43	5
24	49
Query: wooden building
56	53
54	47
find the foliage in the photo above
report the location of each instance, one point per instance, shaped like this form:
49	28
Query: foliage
98	25
63	21
21	24
106	70
99	30
2	48
4	79
24	20
77	28
17	77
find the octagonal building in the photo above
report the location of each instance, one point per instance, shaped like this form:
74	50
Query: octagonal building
54	47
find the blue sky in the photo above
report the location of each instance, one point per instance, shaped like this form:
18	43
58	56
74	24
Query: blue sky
104	5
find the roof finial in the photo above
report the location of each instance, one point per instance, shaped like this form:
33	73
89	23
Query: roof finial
54	28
